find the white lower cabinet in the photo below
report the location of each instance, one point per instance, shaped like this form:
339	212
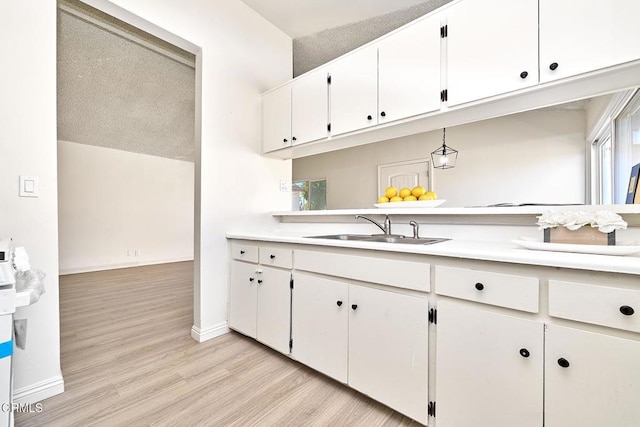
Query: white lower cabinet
489	369
319	324
591	380
388	349
260	303
374	340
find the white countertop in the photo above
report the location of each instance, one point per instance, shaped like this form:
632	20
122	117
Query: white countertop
465	249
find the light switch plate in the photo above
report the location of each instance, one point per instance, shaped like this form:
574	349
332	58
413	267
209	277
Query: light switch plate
29	186
284	186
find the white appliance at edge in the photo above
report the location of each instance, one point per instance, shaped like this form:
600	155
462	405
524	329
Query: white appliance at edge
7	308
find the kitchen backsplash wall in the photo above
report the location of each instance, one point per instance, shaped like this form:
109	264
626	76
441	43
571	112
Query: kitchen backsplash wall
531	157
316	49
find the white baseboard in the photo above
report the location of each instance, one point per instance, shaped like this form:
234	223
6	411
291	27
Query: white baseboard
202	335
76	270
39	391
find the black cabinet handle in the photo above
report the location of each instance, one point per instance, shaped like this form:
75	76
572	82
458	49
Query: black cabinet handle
524	352
251	279
479	286
553	66
563	362
354	306
294	139
284	140
383	114
339	303
241	252
259	280
626	310
272	256
369	118
524	75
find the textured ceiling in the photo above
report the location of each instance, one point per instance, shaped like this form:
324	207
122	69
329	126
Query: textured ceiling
299	18
117	93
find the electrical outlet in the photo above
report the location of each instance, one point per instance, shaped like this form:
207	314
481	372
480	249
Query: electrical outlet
284	186
137	252
130	252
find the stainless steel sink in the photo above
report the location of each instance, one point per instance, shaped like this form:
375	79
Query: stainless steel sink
381	238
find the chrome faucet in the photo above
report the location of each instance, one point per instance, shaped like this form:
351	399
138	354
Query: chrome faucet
386	229
416	229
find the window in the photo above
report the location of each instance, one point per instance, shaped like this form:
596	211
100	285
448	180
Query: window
309	195
626	147
603	161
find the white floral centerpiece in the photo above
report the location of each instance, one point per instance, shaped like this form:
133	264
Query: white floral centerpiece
582	227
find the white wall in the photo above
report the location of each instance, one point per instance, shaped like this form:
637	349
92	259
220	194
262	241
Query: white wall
242	55
28	146
113	201
536	156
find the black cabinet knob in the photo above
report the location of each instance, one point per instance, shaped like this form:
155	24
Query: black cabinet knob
354	306
259	280
563	362
339	303
626	310
524	75
524	352
479	286
383	114
294	139
284	140
241	252
251	279
369	118
272	256
553	66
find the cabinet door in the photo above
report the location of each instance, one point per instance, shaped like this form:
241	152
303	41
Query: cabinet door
319	325
489	369
388	349
354	91
243	298
274	308
310	107
492	48
585	37
409	71
600	386
276	119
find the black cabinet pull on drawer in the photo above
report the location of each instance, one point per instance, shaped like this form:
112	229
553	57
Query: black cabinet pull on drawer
479	286
626	310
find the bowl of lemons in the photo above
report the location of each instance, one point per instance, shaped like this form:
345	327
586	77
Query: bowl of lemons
416	197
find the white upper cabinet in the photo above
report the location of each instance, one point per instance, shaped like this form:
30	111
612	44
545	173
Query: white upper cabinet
409	71
492	48
577	37
310	107
354	91
276	119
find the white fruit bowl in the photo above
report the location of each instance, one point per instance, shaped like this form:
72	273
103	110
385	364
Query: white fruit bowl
414	204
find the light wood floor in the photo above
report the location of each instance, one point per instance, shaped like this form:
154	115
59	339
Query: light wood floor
128	359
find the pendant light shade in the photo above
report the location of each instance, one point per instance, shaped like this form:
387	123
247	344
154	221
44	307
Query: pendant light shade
444	157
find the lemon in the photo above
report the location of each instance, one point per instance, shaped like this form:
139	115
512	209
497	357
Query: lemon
409	198
405	192
395	199
391	192
429	195
418	191
383	199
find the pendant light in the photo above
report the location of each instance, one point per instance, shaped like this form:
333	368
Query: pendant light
444	157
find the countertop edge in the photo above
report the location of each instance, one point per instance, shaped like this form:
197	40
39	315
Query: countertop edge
472	250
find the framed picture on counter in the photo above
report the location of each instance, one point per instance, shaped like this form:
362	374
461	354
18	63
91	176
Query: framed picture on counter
633	195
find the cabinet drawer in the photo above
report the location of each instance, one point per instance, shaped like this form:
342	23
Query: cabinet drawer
614	307
276	257
393	272
504	290
244	252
